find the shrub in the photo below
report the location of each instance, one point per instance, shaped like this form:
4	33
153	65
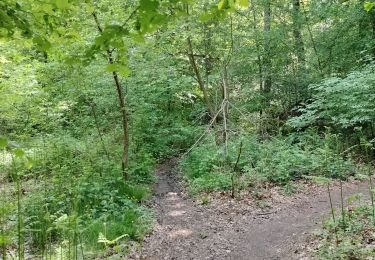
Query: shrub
278	160
355	237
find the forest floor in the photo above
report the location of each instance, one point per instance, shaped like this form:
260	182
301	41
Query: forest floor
276	227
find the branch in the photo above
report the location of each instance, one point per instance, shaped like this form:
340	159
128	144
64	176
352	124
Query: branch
206	130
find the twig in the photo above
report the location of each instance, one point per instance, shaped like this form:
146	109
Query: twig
235	169
206	131
265	213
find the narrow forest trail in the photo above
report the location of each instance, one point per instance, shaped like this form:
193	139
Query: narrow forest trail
233	229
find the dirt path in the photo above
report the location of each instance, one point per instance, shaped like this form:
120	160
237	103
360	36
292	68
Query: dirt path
233	229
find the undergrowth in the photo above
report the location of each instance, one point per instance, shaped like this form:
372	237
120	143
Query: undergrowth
278	160
351	236
72	196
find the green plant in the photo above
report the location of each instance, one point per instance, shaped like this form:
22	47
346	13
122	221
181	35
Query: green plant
281	159
350	241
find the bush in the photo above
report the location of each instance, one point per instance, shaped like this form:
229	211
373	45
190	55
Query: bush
344	102
355	235
83	189
131	222
278	160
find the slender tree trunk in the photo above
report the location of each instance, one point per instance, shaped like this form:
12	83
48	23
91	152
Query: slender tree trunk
198	77
299	44
320	66
267	63
121	99
225	110
300	51
259	57
373	31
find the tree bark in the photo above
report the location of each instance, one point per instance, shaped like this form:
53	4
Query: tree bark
320	66
299	44
267	63
300	52
259	57
198	76
124	115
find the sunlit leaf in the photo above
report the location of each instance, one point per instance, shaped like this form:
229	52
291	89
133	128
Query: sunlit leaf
221	4
19	152
115	67
368	5
243	3
62	4
29	163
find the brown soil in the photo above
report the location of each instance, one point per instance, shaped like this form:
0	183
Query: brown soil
275	227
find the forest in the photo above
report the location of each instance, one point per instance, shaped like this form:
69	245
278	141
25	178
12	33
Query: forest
186	129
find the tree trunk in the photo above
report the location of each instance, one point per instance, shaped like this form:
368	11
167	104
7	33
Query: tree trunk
198	76
124	115
300	51
320	66
267	63
299	44
259	57
373	31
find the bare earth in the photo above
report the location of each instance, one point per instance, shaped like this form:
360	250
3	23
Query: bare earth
274	228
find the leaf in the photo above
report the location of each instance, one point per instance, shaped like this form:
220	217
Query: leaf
138	38
62	4
90	8
29	163
3	142
243	3
19	152
368	6
115	67
41	43
221	4
103	239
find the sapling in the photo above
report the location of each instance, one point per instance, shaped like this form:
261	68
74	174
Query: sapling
332	212
235	170
324	180
342	206
372	197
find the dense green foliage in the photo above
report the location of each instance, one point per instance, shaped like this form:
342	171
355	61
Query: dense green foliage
278	160
341	102
353	235
93	94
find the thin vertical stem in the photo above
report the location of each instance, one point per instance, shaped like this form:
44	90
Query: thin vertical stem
19	220
123	108
330	203
342	205
332	212
372	198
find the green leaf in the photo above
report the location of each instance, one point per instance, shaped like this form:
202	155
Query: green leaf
368	6
41	43
115	67
243	3
29	163
19	152
221	4
138	38
62	4
3	142
205	17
